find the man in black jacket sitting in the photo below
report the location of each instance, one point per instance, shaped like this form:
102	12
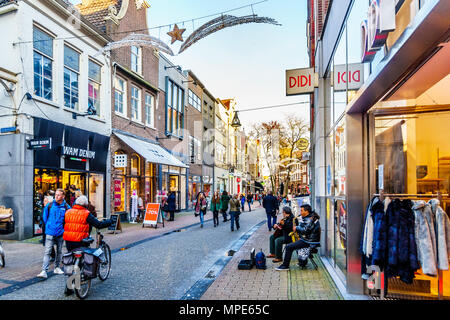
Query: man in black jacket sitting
309	232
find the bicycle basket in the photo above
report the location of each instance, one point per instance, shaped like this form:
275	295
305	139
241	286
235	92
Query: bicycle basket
68	261
90	265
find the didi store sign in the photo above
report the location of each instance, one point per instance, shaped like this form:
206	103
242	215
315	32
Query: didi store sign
301	81
349	77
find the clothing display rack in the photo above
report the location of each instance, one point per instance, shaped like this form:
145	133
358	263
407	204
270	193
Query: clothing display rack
440	196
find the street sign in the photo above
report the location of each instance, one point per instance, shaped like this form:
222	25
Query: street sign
152	213
301	81
40	144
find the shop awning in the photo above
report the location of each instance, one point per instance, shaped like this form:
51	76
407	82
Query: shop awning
151	152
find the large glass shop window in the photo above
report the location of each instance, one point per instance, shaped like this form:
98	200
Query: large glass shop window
413	158
413	153
96	193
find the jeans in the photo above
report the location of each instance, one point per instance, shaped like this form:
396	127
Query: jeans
276	246
234	217
290	248
50	241
271	221
224	214
216	217
201	213
249	206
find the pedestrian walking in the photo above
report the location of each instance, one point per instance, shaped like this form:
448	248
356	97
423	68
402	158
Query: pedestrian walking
215	207
171	205
271	204
235	212
201	206
54	214
224	201
250	201
242	202
46	201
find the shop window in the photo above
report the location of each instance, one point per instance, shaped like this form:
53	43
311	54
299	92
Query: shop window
135	165
43	64
71	75
96	193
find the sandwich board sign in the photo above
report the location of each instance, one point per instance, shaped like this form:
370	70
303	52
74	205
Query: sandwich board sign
152	215
115	226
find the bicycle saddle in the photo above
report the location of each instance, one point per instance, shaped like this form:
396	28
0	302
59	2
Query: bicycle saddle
88	241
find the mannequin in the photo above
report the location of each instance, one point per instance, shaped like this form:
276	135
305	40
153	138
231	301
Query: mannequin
134	207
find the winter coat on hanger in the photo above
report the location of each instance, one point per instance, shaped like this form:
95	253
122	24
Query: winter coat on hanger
424	237
379	235
401	246
442	234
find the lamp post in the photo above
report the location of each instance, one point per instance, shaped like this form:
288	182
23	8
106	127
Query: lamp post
235	123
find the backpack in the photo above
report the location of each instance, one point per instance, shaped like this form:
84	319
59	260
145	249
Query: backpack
260	261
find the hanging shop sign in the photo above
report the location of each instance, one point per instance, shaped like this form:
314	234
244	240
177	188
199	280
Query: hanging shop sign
40	144
303	144
375	30
348	76
120	160
301	81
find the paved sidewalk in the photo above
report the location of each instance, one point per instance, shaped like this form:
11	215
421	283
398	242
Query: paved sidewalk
24	258
296	284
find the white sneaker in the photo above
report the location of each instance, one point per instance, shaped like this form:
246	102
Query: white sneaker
43	274
58	271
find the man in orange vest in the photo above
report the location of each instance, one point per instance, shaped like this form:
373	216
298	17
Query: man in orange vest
78	223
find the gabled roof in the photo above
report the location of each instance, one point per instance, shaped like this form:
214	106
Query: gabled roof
95	11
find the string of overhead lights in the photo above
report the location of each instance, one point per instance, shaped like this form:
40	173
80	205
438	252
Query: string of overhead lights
151	28
272	107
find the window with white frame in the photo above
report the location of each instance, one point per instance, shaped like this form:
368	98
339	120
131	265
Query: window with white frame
95	80
43	64
195	149
149	114
194	100
135	103
71	75
175	109
136	65
120	96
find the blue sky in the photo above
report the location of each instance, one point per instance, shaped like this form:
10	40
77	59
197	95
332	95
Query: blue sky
245	62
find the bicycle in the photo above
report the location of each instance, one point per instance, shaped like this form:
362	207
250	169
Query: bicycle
2	256
103	268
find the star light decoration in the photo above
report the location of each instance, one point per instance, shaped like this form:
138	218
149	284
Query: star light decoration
176	34
220	23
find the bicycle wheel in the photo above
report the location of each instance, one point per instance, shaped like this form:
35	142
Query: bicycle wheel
2	259
84	288
104	268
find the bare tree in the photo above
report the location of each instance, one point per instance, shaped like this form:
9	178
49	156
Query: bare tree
268	133
294	130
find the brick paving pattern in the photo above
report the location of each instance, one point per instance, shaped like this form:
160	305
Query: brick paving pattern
296	284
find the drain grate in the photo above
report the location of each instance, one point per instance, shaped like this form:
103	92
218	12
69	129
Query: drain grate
231	253
210	275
